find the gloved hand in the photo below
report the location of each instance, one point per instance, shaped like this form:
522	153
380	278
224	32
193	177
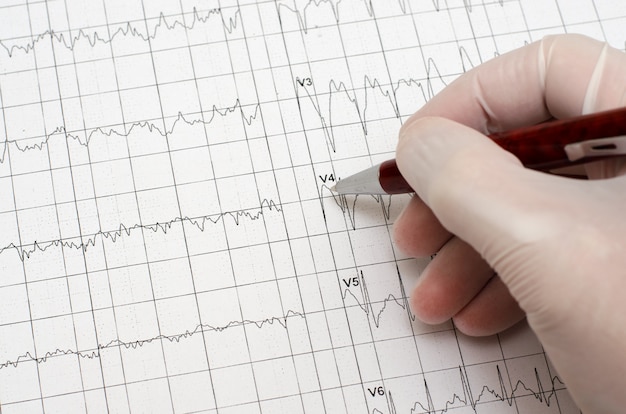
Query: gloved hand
511	241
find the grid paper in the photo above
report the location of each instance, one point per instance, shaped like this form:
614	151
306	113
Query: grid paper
168	240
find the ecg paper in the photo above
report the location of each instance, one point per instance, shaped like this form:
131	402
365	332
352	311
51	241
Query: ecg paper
168	240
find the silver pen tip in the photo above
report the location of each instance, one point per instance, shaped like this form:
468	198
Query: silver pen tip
364	182
333	189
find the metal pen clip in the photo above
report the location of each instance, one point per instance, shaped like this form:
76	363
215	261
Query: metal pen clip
602	147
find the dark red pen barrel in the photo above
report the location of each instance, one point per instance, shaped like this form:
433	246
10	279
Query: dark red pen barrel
542	146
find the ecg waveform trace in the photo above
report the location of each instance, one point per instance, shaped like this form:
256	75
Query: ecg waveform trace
168	238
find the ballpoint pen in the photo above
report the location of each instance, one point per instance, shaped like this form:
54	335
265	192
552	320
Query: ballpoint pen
544	146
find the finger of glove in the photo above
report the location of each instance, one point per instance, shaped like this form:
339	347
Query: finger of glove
417	232
449	282
491	311
548	78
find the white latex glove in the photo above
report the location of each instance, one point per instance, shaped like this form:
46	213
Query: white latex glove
558	245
